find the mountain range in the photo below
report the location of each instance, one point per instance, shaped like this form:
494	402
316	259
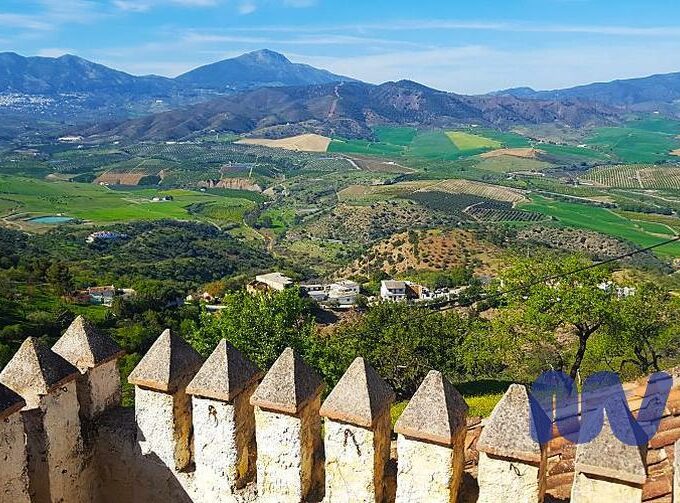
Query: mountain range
349	109
262	92
655	91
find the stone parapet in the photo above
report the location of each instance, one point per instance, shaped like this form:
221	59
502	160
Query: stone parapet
218	431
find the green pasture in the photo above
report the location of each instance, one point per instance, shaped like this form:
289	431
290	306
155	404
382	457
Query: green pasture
467	141
602	220
635	145
101	205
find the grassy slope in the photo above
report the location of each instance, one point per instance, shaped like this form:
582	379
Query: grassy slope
605	221
100	204
635	145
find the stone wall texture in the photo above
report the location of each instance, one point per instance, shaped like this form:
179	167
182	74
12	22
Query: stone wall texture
356	459
13	469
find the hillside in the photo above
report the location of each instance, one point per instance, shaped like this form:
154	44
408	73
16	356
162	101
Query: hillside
262	68
71	74
349	110
639	93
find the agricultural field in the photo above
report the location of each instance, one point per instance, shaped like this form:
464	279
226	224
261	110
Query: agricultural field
495	211
605	221
468	141
636	143
303	142
93	203
635	176
512	164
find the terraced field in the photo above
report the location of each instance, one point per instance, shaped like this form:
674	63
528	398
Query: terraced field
635	176
369	193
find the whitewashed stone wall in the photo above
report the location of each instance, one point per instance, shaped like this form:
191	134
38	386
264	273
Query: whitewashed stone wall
99	389
427	472
356	459
13	469
287	468
64	445
164	426
590	489
160	464
508	480
224	444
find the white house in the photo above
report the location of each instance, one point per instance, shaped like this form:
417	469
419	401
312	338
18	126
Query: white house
275	280
393	291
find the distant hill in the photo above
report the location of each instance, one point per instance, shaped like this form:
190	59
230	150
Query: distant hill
71	74
640	93
350	109
262	68
74	90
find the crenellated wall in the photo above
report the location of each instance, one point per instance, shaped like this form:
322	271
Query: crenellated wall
222	431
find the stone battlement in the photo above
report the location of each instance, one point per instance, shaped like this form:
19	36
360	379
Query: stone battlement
221	430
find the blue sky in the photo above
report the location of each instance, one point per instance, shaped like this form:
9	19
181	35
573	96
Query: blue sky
458	46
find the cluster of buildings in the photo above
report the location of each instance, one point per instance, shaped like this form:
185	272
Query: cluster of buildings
341	293
102	295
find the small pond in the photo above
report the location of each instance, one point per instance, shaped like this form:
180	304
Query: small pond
50	219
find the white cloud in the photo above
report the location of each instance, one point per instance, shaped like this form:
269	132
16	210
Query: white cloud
247	7
480	69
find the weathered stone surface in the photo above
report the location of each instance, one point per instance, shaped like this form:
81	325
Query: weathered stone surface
168	365
224	375
35	370
427	472
288	386
55	447
606	455
356	458
360	397
85	347
508	431
164	426
592	489
676	473
14	469
224	444
99	389
290	464
10	402
436	413
501	479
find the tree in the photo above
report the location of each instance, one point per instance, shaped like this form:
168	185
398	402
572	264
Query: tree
645	328
60	277
553	320
261	326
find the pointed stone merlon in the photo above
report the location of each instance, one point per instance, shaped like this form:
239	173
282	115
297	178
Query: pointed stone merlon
512	465
357	436
431	443
96	356
224	422
162	406
14	469
47	384
290	465
607	469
